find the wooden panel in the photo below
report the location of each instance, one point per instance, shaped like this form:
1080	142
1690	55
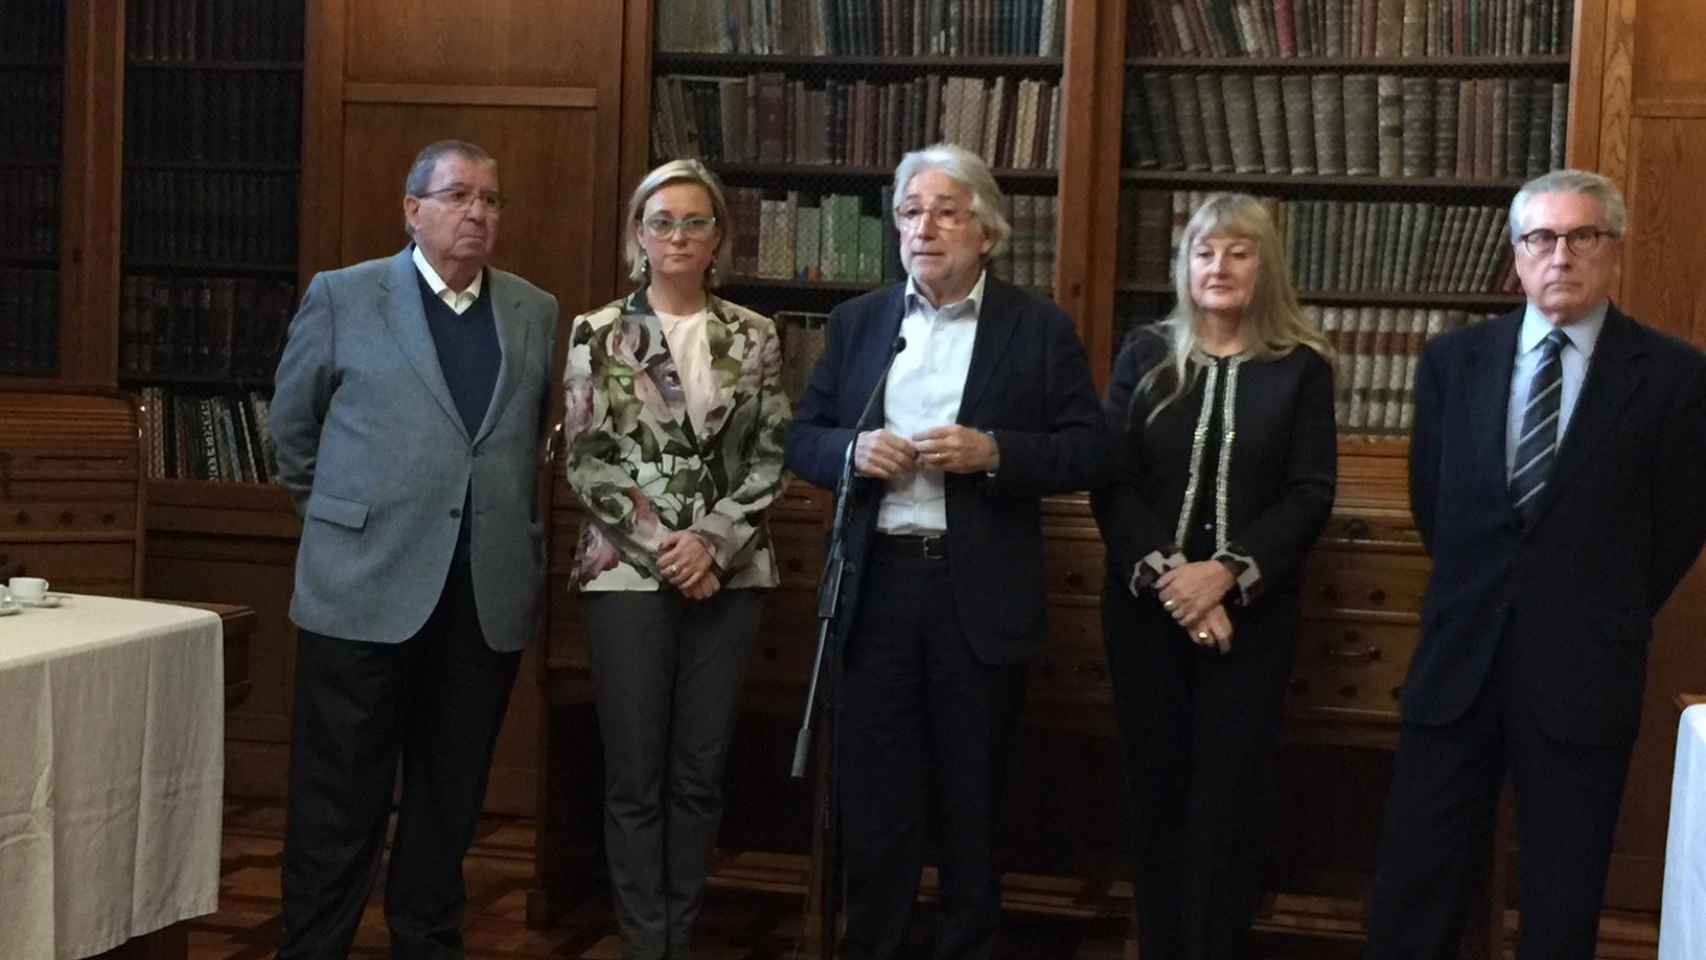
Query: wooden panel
1610	102
545	156
89	217
1663	270
1669	76
529	42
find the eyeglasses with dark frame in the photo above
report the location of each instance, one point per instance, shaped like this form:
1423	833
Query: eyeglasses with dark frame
662	227
1580	241
461	198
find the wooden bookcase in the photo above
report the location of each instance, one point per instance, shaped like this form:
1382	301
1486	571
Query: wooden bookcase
32	70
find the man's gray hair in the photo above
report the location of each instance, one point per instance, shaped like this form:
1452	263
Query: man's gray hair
970	171
1584	182
419	179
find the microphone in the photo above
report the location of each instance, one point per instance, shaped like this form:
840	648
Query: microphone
871	401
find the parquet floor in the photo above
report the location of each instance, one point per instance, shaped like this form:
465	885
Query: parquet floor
736	924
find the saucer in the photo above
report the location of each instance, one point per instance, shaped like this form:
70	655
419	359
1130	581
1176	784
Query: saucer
48	601
8	609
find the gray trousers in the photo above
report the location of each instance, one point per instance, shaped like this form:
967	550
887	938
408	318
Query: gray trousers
668	674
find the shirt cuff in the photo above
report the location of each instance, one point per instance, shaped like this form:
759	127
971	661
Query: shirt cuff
1152	566
1246	573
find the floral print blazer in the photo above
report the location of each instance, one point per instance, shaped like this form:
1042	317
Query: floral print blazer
641	470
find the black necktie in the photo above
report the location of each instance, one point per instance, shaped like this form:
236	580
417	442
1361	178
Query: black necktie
1537	446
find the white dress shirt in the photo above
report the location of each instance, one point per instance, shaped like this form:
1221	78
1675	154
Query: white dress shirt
1574	358
690	347
924	391
457	302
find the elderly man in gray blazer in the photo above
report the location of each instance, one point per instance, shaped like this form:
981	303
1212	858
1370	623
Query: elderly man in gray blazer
408	413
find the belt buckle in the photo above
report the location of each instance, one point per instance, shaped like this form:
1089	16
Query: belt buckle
934	547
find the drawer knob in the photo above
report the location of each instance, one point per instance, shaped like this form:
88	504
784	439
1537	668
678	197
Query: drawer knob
23	518
1377	597
1352	648
1074	579
1356	528
1329	594
1398	692
1348	691
108	519
67	518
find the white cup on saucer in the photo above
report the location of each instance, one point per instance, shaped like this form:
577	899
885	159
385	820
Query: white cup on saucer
28	589
5	596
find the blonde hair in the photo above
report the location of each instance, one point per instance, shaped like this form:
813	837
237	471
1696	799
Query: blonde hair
1273	322
676	172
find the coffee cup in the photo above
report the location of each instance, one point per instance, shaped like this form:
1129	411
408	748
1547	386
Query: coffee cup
5	595
28	589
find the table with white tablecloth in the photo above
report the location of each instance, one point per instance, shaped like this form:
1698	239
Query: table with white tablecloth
1682	918
112	763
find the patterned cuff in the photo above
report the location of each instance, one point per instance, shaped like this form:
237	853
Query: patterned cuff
1152	566
1246	574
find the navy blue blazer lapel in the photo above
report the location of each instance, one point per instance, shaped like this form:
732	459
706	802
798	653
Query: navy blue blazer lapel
1494	360
1613	377
997	320
874	356
512	321
405	318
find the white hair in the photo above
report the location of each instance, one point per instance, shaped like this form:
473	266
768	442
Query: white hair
968	170
1583	182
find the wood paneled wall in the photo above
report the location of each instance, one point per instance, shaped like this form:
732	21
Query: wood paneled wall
1639	116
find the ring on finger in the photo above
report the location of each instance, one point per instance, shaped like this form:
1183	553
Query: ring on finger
1202	635
1169	604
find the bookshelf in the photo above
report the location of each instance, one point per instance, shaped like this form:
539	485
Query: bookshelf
208	249
803	111
1388	137
32	74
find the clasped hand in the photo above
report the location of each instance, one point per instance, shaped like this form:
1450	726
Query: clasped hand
1192	594
686	563
950	449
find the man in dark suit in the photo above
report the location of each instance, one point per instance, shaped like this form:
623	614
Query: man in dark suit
409	407
989	407
1558	479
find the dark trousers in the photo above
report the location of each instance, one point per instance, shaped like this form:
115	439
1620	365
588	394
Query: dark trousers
1199	730
921	722
668	673
1440	818
437	700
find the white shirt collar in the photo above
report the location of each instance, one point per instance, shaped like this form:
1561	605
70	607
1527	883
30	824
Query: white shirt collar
968	307
440	289
1583	334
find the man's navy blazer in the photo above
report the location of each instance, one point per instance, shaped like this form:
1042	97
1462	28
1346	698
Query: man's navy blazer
1620	522
1029	385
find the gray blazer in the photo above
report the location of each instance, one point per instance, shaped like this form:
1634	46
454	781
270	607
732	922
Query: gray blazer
377	459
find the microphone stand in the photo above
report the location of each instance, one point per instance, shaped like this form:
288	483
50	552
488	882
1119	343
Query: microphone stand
828	642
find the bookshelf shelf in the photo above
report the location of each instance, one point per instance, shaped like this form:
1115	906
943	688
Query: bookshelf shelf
1371	298
669	61
843	171
182	265
212	380
1432	64
218	66
1209	178
211	166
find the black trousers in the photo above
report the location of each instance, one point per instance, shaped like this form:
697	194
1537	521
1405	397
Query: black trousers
1440	818
438	701
921	723
668	673
1199	730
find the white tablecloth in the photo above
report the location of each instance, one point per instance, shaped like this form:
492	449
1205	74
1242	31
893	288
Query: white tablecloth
1682	921
112	761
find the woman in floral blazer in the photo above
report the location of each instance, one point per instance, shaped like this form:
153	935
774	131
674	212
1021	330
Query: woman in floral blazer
675	420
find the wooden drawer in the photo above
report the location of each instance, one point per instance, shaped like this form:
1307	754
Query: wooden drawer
1349	668
1072	667
66	565
1073	567
67	516
799	551
1391	529
804	503
1337	581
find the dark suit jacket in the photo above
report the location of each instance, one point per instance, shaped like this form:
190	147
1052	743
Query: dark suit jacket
1029	384
1620	522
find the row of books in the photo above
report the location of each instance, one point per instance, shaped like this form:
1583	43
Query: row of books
870	28
29	204
208	328
216	30
767	118
234	218
1360	124
29	322
849	238
232	116
1340	245
34	103
1378	348
34	31
1348	28
207	437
